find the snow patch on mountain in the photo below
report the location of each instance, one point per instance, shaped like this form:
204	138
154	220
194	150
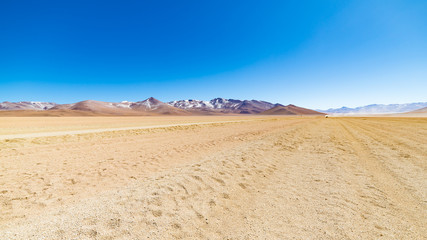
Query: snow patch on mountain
123	104
25	105
149	104
223	105
191	104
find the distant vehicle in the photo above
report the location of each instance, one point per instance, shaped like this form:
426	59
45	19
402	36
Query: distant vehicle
326	116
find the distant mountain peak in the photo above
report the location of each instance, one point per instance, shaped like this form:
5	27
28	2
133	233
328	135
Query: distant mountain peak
290	110
153	100
149	103
377	109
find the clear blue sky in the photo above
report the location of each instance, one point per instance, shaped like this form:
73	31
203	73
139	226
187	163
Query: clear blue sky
316	54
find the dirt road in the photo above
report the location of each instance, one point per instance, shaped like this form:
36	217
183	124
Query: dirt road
100	130
281	178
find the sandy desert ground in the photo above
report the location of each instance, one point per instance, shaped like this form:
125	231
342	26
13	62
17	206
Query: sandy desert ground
266	178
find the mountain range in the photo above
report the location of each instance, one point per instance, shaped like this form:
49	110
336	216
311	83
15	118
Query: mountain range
221	105
26	105
152	106
376	109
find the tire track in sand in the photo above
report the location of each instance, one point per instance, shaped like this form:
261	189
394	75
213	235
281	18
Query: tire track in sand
402	200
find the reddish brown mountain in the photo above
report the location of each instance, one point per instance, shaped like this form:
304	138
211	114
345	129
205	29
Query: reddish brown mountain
290	110
96	107
150	106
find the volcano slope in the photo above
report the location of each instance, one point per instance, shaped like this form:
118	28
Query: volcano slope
271	178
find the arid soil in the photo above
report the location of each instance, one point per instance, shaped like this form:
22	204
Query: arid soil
26	125
267	178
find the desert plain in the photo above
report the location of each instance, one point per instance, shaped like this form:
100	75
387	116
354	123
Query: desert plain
213	177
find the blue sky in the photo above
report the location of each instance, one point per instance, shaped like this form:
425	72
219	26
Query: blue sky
316	54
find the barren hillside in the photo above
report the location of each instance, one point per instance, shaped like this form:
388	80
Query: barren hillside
290	110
